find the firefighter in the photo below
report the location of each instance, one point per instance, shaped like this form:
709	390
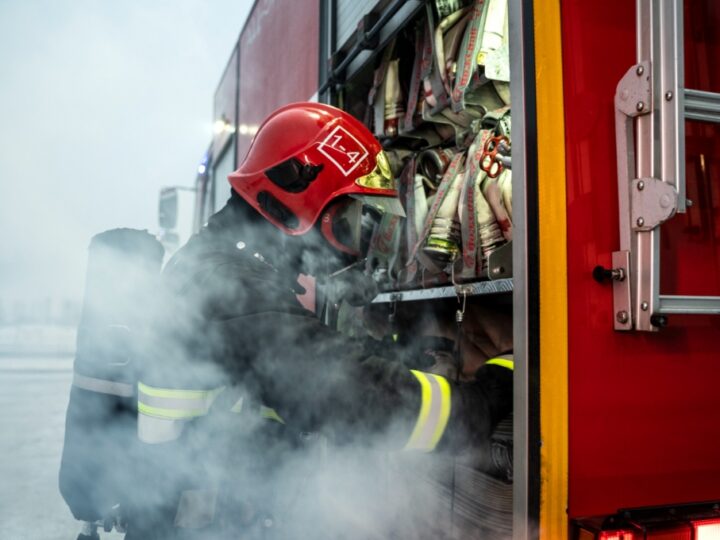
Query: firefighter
240	363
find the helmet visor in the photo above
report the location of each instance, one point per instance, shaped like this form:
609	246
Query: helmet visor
349	224
381	176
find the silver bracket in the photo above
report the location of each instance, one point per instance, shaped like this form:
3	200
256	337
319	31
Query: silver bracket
500	262
633	99
652	202
622	301
633	95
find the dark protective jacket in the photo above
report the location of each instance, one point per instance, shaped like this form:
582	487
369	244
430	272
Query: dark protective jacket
233	344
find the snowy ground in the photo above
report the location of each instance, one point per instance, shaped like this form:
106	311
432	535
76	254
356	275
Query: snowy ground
33	397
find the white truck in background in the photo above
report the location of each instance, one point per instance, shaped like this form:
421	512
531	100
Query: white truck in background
176	210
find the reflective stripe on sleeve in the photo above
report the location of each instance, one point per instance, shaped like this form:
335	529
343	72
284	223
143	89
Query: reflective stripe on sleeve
434	412
506	362
102	386
174	403
265	412
238	407
270	414
162	412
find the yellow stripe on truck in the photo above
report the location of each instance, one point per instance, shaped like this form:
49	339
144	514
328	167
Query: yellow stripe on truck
552	227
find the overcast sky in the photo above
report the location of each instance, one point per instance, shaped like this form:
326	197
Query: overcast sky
102	102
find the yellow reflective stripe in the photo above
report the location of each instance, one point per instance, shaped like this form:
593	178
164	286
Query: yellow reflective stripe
434	412
238	407
502	362
174	393
174	414
270	414
444	409
173	403
424	409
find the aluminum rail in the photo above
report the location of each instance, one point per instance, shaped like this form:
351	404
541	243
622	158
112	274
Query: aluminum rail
689	305
703	106
363	43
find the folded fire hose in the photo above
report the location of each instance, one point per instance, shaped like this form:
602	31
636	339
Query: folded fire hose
457	192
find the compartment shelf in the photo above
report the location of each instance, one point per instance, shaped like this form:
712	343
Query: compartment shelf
477	288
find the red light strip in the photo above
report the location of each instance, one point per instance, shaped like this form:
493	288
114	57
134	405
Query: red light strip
707	529
616	535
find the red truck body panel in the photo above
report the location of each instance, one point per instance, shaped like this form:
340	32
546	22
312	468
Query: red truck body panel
279	59
225	102
643	407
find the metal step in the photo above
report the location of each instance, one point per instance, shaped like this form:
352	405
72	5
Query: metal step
687	305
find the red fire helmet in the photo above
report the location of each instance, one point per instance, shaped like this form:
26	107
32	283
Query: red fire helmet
306	155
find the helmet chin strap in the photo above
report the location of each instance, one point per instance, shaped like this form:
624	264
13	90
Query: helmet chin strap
326	228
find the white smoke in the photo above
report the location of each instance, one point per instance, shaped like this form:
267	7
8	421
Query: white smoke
100	105
88	136
345	479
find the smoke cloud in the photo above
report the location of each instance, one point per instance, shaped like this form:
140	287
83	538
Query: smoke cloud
101	104
89	134
323	468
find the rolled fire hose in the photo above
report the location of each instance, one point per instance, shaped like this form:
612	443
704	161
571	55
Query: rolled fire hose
433	163
505	183
443	241
421	203
494	196
489	231
394	104
493	30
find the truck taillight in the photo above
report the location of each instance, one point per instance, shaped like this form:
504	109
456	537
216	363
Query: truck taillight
707	529
616	535
664	531
680	532
697	521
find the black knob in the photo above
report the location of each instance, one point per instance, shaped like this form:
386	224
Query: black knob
602	274
661	321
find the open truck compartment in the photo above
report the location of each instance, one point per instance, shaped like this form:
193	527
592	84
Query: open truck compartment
431	81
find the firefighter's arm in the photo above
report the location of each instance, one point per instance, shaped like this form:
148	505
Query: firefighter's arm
317	379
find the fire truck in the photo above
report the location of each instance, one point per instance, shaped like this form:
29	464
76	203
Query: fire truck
612	272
